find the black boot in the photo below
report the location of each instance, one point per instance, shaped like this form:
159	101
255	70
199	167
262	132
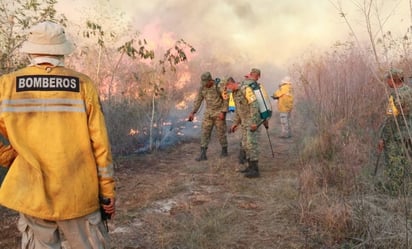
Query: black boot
242	156
247	169
253	171
224	152
202	156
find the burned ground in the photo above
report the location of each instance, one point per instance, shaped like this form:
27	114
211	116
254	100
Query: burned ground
168	200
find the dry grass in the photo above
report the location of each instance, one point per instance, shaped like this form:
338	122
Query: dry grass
341	106
176	202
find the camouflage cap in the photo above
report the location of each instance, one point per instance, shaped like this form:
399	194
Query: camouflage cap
255	70
394	73
206	77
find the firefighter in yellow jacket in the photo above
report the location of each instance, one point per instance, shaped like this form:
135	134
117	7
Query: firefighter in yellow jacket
284	96
59	155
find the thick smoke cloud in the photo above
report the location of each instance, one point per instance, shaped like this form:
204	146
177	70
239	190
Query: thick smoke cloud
241	34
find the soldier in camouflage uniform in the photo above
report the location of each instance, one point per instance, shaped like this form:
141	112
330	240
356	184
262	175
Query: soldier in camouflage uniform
248	115
241	113
214	115
395	139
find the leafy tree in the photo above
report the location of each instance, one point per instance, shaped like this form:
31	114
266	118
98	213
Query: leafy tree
136	79
16	17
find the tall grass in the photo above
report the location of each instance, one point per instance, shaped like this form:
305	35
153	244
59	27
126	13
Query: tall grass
342	102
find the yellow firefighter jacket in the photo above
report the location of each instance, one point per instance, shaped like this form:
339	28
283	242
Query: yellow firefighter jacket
54	122
285	97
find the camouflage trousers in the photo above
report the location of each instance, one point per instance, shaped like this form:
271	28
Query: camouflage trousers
250	143
397	166
243	142
208	122
285	124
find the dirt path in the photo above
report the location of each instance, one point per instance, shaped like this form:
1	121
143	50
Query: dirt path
168	200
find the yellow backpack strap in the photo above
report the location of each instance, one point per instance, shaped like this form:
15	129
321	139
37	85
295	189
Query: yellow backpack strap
249	94
392	110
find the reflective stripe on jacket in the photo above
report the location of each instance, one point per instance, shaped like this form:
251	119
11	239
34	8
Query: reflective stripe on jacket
53	120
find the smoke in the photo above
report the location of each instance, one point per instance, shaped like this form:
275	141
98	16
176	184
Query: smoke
230	36
241	33
233	36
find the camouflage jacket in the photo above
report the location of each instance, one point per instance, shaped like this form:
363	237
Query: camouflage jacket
251	111
215	103
399	112
242	109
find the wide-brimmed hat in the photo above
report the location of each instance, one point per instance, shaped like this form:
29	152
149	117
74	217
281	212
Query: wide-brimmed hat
47	38
286	79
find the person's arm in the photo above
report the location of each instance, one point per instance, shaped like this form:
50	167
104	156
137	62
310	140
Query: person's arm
7	155
276	95
101	149
197	104
7	152
279	93
198	101
254	115
236	122
253	105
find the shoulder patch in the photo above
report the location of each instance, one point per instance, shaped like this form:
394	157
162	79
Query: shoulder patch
47	83
250	95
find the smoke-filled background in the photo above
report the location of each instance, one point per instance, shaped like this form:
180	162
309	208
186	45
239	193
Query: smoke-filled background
336	52
231	36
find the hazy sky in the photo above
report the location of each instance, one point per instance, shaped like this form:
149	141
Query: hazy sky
248	33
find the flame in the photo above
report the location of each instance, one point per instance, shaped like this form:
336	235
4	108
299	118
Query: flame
184	77
133	132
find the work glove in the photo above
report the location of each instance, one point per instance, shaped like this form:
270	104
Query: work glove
266	124
191	117
232	128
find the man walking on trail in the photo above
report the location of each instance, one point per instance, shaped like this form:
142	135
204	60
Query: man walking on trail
250	119
395	138
214	115
59	154
284	96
